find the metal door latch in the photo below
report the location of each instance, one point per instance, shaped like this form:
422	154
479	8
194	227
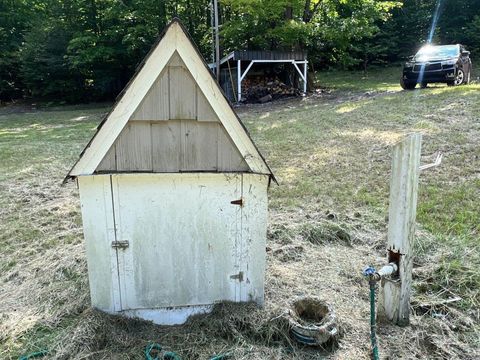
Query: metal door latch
120	244
238	202
238	276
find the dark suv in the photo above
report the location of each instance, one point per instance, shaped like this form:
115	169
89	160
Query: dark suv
448	64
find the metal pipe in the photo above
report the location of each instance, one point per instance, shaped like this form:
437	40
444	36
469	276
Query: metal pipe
373	277
305	77
217	40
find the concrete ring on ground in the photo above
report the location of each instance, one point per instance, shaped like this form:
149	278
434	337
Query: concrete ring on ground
312	321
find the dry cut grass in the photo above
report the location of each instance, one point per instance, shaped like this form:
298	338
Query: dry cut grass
331	154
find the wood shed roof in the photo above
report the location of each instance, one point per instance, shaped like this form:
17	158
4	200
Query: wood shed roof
174	40
268	55
249	55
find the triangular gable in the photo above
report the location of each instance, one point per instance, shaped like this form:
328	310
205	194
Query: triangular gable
174	42
174	83
174	129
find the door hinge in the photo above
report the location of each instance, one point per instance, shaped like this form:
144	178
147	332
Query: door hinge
238	276
120	244
238	202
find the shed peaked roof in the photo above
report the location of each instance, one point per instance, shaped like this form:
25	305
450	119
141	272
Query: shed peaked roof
174	40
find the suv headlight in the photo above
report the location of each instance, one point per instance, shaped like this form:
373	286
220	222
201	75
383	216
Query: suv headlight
409	64
449	62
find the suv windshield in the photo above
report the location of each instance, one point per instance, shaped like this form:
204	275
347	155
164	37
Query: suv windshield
429	52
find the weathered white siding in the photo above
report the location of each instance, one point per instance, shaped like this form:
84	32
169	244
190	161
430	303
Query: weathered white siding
254	230
175	96
99	232
173	146
188	244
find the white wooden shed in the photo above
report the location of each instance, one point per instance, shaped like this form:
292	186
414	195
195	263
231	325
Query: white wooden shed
173	194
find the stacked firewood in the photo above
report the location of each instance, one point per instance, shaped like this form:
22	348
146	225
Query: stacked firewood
263	89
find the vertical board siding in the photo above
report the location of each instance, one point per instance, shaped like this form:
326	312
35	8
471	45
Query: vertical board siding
200	144
109	162
156	104
204	109
252	245
173	146
174	96
183	93
134	148
229	158
176	60
167	146
99	232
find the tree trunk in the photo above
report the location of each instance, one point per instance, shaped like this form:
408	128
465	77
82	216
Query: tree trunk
310	81
289	12
308	12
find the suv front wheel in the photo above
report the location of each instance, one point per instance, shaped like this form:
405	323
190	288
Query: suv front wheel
406	85
460	79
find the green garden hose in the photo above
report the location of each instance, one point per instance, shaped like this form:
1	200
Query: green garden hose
373	321
33	355
371	272
221	357
169	355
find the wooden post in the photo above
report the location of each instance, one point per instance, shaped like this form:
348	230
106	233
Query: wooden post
395	292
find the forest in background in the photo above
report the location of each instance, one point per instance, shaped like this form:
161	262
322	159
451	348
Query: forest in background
86	50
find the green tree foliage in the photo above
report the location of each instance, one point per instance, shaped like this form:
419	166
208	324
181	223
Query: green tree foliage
81	50
459	23
410	25
12	26
472	37
325	28
44	70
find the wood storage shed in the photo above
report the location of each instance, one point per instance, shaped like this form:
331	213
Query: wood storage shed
173	194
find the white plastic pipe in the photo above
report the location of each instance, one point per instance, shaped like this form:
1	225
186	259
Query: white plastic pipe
387	270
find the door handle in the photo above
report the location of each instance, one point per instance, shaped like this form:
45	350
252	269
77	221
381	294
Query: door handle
122	244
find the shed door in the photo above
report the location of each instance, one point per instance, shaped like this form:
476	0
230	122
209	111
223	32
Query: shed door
183	238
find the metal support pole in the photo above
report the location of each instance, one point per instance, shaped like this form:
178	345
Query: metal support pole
305	66
217	41
212	25
247	69
303	74
239	80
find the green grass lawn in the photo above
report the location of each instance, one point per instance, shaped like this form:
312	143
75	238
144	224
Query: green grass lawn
381	79
330	153
338	159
